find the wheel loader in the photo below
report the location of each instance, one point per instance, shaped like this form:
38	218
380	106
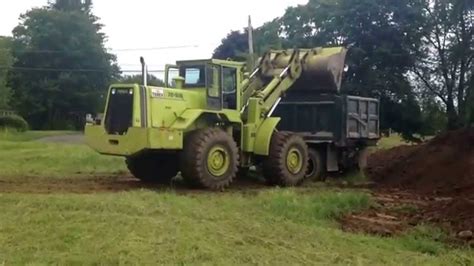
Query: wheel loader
214	118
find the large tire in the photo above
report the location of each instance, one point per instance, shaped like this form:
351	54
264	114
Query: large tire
316	166
153	168
287	162
210	159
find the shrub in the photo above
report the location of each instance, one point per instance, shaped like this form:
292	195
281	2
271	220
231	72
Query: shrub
13	122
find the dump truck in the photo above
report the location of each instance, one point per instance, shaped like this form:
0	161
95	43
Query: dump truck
338	129
214	118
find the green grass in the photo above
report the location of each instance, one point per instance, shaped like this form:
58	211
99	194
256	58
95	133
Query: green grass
314	207
390	142
266	226
166	228
145	227
31	158
11	135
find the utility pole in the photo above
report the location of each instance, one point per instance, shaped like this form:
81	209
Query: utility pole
250	39
250	30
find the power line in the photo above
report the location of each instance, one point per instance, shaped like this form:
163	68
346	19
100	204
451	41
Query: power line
155	48
149	70
39	51
90	70
40	69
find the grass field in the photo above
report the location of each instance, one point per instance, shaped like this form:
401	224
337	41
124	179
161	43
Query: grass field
8	135
142	225
21	156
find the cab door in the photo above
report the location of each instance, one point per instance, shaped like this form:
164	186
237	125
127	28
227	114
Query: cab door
229	88
171	72
214	87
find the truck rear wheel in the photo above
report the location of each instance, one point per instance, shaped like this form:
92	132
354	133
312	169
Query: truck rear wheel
210	159
316	166
153	168
287	162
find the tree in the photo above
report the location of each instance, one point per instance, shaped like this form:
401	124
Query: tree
5	63
268	37
383	35
445	67
61	67
416	56
434	116
470	102
235	45
72	5
138	79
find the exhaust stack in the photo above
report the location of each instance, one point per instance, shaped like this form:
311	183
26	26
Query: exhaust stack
144	71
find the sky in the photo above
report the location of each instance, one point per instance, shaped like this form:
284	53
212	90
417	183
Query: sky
196	26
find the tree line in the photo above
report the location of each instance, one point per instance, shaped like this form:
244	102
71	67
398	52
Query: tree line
55	68
416	56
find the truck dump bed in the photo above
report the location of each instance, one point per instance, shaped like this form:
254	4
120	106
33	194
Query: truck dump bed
330	118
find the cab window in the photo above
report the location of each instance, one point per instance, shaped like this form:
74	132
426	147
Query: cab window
194	76
213	81
229	87
172	74
230	80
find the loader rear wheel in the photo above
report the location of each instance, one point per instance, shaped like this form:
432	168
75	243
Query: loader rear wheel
316	167
153	168
210	159
287	163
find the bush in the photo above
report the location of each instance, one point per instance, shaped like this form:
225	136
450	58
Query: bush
13	122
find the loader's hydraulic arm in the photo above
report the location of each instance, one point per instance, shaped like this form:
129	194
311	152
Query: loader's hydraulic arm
278	70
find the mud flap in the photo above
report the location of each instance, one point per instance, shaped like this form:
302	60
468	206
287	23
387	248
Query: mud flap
362	159
332	162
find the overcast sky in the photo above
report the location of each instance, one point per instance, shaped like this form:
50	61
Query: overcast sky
147	24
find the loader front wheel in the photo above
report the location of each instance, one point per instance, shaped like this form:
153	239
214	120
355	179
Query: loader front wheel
287	163
153	168
210	159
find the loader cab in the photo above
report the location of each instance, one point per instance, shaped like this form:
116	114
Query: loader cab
219	79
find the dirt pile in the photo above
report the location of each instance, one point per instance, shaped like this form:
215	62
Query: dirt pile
456	214
442	166
396	212
435	180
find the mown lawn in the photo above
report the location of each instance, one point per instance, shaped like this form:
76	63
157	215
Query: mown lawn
22	156
11	135
145	226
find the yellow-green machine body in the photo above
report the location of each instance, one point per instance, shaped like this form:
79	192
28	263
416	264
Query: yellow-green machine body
213	117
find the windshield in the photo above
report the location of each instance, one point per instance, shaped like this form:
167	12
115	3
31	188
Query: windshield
194	76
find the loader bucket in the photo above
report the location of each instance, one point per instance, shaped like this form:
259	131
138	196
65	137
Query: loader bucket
322	68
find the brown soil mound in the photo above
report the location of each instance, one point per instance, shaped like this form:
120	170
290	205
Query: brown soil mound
456	214
438	174
397	212
443	166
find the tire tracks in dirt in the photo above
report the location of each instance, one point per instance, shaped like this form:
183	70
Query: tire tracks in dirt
112	184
